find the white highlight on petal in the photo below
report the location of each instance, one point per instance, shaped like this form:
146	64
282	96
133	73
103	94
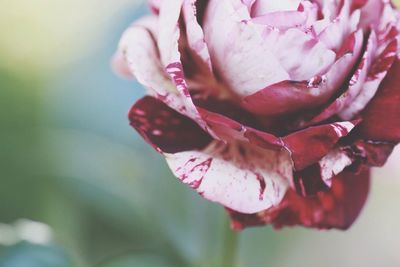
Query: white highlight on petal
333	164
262	7
346	126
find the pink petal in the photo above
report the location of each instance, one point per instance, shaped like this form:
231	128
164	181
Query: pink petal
239	176
282	20
356	84
371	13
290	96
356	4
336	208
261	7
155	5
376	74
237	47
288	46
337	30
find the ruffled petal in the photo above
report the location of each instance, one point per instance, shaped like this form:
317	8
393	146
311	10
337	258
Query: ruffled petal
142	58
237	48
356	85
239	176
316	57
383	58
333	33
290	96
337	208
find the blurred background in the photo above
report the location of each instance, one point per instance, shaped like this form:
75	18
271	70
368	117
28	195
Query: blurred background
80	188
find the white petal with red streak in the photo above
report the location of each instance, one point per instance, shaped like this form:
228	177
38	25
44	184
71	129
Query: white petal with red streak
248	184
194	32
141	56
168	44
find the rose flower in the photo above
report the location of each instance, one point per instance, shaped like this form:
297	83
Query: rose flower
275	109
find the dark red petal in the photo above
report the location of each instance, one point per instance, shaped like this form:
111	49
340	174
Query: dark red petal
318	177
372	153
337	208
164	128
231	130
381	118
310	145
308	182
284	97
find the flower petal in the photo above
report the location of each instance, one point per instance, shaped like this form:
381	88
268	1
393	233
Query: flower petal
381	117
165	129
318	177
306	147
356	85
120	66
337	208
377	73
372	153
282	20
195	34
310	145
141	56
237	48
290	96
241	177
261	7
155	5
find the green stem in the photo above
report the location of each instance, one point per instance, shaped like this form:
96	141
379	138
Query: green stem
230	246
